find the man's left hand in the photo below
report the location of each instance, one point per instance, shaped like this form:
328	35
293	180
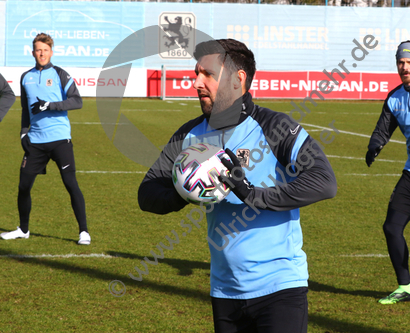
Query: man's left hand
40	106
236	180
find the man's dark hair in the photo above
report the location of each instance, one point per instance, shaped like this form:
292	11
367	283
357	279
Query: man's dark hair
232	53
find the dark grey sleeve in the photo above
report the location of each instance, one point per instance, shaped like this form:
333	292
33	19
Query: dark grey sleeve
25	114
74	100
7	97
385	127
156	193
315	181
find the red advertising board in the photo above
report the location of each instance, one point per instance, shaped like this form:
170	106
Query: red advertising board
270	84
179	83
337	85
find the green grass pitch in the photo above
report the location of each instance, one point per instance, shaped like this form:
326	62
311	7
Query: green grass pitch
50	284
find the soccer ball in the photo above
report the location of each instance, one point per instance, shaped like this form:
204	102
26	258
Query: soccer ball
196	172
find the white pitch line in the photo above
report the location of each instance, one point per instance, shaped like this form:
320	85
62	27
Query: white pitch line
371	255
70	255
362	113
355	113
362	159
98	171
95	123
376	174
347	132
155	110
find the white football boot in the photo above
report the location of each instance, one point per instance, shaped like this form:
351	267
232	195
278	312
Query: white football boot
15	234
85	238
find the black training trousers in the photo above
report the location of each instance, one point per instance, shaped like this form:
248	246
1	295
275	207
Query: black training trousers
285	311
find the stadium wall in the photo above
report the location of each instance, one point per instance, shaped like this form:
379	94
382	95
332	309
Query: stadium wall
289	42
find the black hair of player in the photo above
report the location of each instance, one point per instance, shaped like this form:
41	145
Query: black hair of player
233	54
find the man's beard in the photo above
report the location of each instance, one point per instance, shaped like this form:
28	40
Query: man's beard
206	107
405	80
222	101
226	112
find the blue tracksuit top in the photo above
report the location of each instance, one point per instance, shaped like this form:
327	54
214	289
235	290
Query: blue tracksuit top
54	85
256	249
396	112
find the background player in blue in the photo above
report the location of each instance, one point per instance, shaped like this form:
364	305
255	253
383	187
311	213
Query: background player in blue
47	92
7	97
258	269
396	112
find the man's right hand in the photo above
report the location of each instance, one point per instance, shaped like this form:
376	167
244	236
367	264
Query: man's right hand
371	155
40	106
25	143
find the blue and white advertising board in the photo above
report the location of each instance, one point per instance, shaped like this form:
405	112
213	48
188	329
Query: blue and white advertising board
283	38
84	33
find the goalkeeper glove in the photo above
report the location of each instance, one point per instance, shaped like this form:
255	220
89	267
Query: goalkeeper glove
236	179
371	154
40	106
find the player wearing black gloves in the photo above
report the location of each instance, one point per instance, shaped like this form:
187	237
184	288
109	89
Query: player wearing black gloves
396	112
259	274
47	92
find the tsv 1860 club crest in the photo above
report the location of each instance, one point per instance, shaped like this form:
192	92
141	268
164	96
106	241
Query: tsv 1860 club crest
177	35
